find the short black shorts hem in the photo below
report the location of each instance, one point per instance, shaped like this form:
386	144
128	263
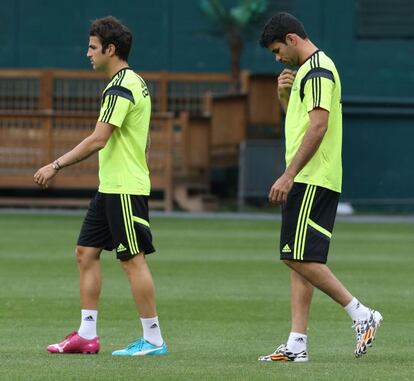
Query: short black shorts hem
284	257
128	256
146	252
87	244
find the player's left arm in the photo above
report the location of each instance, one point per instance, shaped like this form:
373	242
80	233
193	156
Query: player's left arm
310	144
87	147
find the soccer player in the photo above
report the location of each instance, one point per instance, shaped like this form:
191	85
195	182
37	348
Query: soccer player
309	188
117	217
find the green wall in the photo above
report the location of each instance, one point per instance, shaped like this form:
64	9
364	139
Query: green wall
50	33
378	157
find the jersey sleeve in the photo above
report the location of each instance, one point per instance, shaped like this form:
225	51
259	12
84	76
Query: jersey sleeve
317	89
116	103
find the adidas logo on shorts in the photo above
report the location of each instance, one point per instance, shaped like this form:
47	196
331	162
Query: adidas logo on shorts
286	249
120	248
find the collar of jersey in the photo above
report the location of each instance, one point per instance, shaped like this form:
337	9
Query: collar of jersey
307	59
124	68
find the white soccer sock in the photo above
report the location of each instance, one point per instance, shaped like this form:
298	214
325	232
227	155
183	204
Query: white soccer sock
297	342
357	310
87	328
152	332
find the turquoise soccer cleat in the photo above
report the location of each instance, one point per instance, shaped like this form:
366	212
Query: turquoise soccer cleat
142	347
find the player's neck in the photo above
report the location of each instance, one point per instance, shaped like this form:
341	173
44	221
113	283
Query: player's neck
306	51
115	67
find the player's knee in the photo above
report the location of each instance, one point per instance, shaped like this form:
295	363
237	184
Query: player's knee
128	266
132	263
84	256
80	254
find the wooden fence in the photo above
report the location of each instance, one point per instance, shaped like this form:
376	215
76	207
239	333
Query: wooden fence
44	113
196	124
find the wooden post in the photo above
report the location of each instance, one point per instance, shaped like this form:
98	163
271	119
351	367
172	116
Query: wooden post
169	124
46	108
46	91
244	81
185	147
163	92
206	103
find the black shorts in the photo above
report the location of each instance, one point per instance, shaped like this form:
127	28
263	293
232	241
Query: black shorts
120	222
308	219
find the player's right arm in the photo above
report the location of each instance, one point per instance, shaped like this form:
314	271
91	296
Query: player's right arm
284	84
147	147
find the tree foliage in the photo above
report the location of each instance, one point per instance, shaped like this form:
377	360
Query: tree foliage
236	25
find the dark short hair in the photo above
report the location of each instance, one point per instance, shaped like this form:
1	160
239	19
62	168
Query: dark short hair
279	26
110	30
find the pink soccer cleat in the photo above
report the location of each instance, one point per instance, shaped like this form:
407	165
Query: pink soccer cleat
73	343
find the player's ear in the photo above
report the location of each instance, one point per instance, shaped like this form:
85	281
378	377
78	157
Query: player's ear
291	39
111	49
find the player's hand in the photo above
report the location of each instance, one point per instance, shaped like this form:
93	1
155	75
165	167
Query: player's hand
43	176
280	189
285	82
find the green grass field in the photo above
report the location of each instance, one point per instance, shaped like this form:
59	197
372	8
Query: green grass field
223	299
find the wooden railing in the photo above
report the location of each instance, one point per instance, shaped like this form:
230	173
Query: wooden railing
80	90
28	141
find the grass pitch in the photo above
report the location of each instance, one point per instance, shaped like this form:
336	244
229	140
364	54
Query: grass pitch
223	299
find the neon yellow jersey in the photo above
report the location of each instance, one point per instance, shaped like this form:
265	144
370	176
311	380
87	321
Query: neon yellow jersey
125	104
317	84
